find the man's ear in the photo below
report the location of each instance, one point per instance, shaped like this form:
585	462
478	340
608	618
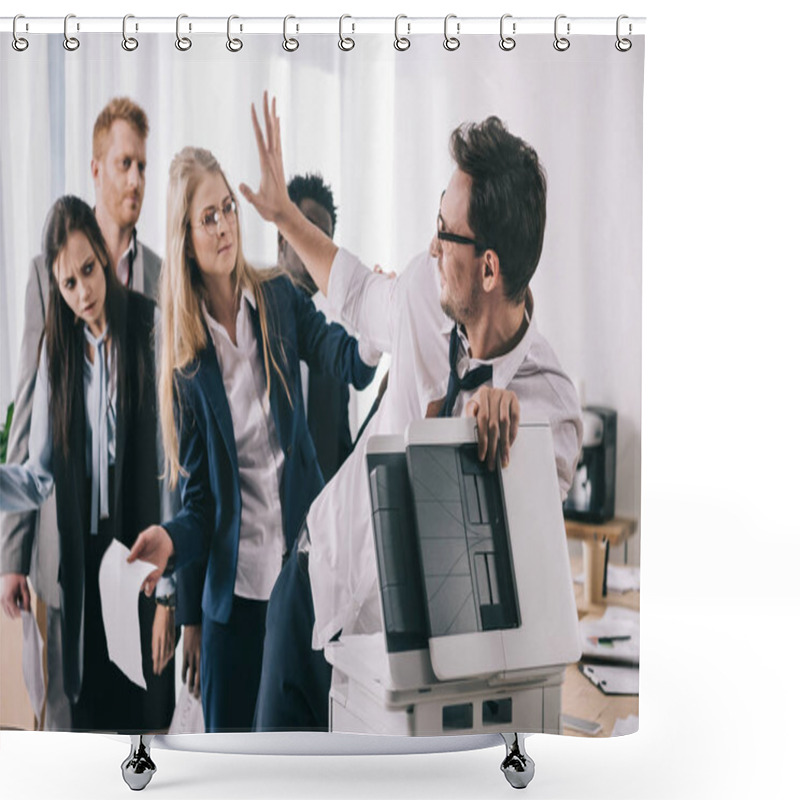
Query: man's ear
490	271
95	167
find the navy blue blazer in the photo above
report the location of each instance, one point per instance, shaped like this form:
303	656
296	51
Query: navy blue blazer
206	530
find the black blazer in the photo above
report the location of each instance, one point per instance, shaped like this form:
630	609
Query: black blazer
136	471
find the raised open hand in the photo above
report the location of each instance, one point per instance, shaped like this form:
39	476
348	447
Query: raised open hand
272	199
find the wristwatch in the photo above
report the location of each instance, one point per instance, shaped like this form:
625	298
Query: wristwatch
168	600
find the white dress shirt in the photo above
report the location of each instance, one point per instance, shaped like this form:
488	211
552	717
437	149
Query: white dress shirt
403	317
124	266
258	453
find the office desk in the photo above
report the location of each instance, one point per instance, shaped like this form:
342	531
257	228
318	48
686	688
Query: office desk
596	539
579	696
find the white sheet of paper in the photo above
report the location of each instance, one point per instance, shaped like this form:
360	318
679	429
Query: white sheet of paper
626	725
612	679
120	583
188	716
617	621
32	668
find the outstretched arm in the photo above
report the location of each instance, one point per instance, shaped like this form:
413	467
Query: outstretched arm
272	201
18	532
24	487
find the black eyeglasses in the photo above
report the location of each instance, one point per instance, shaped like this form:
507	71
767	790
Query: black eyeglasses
446	236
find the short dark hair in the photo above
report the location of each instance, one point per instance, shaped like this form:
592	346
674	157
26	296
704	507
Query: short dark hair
507	205
313	187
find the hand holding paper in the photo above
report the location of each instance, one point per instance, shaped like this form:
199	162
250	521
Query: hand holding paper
154	546
120	584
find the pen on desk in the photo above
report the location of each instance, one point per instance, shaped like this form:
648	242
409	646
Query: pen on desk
608	639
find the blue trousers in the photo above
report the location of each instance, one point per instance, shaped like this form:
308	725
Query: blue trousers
295	679
230	666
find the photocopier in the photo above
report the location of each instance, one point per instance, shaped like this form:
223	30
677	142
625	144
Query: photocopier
479	615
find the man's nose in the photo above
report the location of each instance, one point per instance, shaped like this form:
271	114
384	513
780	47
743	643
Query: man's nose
135	177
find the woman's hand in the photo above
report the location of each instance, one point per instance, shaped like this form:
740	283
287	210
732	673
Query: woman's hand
153	545
272	198
163	637
192	639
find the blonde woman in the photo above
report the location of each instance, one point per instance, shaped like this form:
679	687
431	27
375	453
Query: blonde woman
238	439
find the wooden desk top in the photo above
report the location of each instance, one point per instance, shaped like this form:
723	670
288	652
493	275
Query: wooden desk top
614	531
579	696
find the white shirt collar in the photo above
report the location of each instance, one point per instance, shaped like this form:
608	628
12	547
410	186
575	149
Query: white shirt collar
215	327
506	366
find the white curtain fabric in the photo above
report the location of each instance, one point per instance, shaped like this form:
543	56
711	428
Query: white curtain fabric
375	123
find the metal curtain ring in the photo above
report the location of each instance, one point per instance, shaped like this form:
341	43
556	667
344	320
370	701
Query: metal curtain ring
70	42
290	44
401	42
183	43
129	43
622	44
507	42
561	43
233	44
451	42
19	43
345	42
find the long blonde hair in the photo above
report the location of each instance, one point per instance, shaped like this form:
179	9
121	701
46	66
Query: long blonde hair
181	291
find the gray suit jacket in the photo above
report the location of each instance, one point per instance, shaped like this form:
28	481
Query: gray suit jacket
29	541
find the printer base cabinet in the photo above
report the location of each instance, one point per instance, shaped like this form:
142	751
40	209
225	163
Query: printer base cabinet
460	709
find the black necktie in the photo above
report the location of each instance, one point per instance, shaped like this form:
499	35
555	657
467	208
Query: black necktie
472	380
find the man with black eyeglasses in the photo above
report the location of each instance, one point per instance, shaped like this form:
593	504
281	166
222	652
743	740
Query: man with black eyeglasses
458	323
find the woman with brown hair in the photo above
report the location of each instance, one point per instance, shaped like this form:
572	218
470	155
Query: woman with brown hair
94	439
